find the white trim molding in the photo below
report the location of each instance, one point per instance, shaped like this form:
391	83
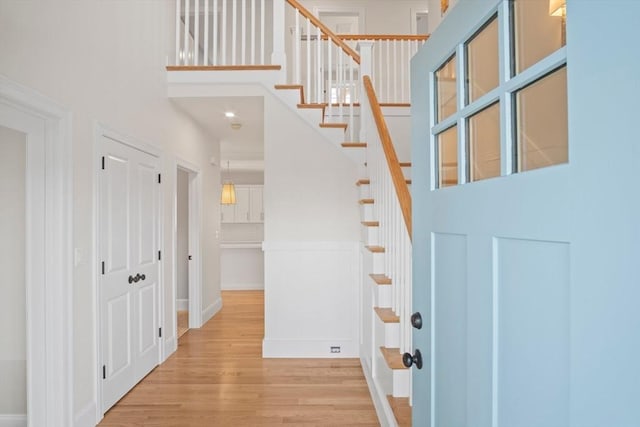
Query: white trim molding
13	420
87	416
49	275
211	310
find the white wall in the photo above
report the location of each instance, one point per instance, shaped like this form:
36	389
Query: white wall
381	17
13	346
182	231
104	61
311	240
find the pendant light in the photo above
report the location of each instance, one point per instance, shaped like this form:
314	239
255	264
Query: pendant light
228	196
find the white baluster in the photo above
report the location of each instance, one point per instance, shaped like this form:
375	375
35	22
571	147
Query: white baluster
352	87
178	12
388	61
243	59
262	32
223	60
234	30
253	32
329	76
205	60
319	65
308	90
216	17
340	82
196	33
187	34
297	53
380	76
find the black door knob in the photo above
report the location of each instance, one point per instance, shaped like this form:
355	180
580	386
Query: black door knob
142	277
137	278
408	360
416	320
131	279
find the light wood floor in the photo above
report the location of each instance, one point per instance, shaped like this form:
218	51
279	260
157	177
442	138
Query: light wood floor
183	322
218	378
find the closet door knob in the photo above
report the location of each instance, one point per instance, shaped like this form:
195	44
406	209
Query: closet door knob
416	359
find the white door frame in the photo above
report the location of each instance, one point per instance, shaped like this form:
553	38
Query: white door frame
101	130
49	268
195	249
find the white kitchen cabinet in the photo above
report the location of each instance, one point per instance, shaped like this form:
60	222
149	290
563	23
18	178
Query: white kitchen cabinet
256	211
249	207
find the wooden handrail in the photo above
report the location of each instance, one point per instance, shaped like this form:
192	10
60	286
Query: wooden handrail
402	189
326	31
403	37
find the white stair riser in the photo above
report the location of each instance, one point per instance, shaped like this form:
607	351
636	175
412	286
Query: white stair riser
387	334
366	212
364	191
393	381
370	235
382	295
378	263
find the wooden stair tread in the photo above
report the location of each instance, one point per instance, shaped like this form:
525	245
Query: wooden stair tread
408	181
354	144
223	67
293	87
371	223
380	279
363	181
393	357
387	315
334	125
365	201
405	164
318	106
375	249
401	410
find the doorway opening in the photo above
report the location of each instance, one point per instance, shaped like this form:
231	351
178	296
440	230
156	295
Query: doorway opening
419	22
187	310
35	259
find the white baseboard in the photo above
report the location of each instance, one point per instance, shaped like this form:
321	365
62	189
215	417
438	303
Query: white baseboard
170	347
308	349
13	420
242	286
87	416
211	311
182	304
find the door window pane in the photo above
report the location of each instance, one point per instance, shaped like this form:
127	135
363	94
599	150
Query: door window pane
482	62
447	155
446	92
538	31
541	122
484	143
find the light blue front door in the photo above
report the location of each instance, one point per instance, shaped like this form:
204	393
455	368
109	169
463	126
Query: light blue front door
527	281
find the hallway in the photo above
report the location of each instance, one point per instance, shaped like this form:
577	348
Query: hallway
218	378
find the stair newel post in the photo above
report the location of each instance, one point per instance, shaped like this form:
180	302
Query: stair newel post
278	56
365	49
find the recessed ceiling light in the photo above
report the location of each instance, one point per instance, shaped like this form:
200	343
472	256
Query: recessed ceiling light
229	114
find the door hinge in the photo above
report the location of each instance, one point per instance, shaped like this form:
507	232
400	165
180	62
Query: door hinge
160	332
159	255
159	179
104	372
102	267
102	162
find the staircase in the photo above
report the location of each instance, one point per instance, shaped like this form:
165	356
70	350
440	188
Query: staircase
342	106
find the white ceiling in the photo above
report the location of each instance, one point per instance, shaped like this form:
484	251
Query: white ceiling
246	143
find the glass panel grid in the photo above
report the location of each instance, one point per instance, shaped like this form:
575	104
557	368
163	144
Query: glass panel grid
537	32
446	91
541	122
447	155
483	139
482	62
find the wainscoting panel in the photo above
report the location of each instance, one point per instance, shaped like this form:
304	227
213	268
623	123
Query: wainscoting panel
531	284
311	299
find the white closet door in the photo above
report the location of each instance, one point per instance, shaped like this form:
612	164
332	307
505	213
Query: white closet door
129	252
